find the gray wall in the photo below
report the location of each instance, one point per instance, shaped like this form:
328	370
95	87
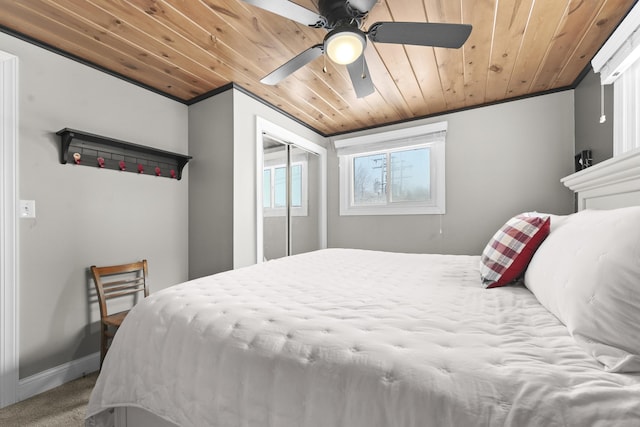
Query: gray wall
211	185
500	160
590	133
86	215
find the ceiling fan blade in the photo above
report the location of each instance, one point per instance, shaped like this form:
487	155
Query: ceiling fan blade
293	65
359	73
363	6
291	11
420	33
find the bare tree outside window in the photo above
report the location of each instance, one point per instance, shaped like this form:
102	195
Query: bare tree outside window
409	176
369	179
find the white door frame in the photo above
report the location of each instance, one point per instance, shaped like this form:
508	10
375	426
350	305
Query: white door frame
264	126
9	374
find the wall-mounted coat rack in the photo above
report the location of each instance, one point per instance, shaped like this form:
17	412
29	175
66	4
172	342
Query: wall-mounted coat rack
87	149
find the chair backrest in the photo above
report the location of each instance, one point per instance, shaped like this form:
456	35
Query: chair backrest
117	281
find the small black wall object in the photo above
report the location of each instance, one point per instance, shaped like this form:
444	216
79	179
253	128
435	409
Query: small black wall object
583	160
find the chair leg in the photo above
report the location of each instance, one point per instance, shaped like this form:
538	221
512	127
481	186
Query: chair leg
103	343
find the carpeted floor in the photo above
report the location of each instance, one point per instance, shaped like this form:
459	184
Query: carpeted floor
62	406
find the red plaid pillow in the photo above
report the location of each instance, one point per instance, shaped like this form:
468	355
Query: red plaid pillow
507	255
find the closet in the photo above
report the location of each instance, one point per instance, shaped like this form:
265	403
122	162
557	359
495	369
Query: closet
291	194
225	177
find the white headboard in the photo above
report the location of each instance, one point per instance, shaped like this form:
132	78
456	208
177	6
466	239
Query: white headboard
614	183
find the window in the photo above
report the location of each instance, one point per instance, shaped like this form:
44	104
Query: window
391	177
274	186
618	63
393	173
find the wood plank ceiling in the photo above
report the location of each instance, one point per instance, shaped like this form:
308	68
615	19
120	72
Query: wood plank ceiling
188	48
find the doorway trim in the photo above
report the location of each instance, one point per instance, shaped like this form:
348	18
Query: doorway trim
9	357
264	126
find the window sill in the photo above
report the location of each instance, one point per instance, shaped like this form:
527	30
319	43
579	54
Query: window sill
392	210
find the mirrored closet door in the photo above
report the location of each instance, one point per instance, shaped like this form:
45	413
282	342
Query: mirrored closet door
290	199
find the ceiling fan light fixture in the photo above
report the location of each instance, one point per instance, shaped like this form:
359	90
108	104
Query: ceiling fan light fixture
345	45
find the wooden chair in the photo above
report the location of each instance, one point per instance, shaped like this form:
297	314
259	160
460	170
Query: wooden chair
117	281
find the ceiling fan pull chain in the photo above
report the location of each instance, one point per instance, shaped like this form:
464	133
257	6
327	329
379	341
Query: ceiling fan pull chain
364	75
324	64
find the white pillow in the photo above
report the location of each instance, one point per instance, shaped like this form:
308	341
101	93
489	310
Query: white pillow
587	273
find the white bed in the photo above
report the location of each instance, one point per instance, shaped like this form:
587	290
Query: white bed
353	338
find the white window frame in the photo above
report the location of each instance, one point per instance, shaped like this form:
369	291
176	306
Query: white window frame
273	161
432	136
626	107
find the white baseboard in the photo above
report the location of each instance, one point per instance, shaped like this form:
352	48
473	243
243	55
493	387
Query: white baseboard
54	377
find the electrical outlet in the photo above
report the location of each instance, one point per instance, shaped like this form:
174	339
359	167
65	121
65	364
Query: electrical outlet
27	208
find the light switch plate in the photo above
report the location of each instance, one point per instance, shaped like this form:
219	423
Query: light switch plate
27	208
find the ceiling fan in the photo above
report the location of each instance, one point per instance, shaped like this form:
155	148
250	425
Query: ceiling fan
345	42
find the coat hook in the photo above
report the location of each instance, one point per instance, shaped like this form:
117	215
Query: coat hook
76	158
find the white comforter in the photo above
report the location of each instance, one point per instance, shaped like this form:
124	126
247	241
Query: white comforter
352	338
